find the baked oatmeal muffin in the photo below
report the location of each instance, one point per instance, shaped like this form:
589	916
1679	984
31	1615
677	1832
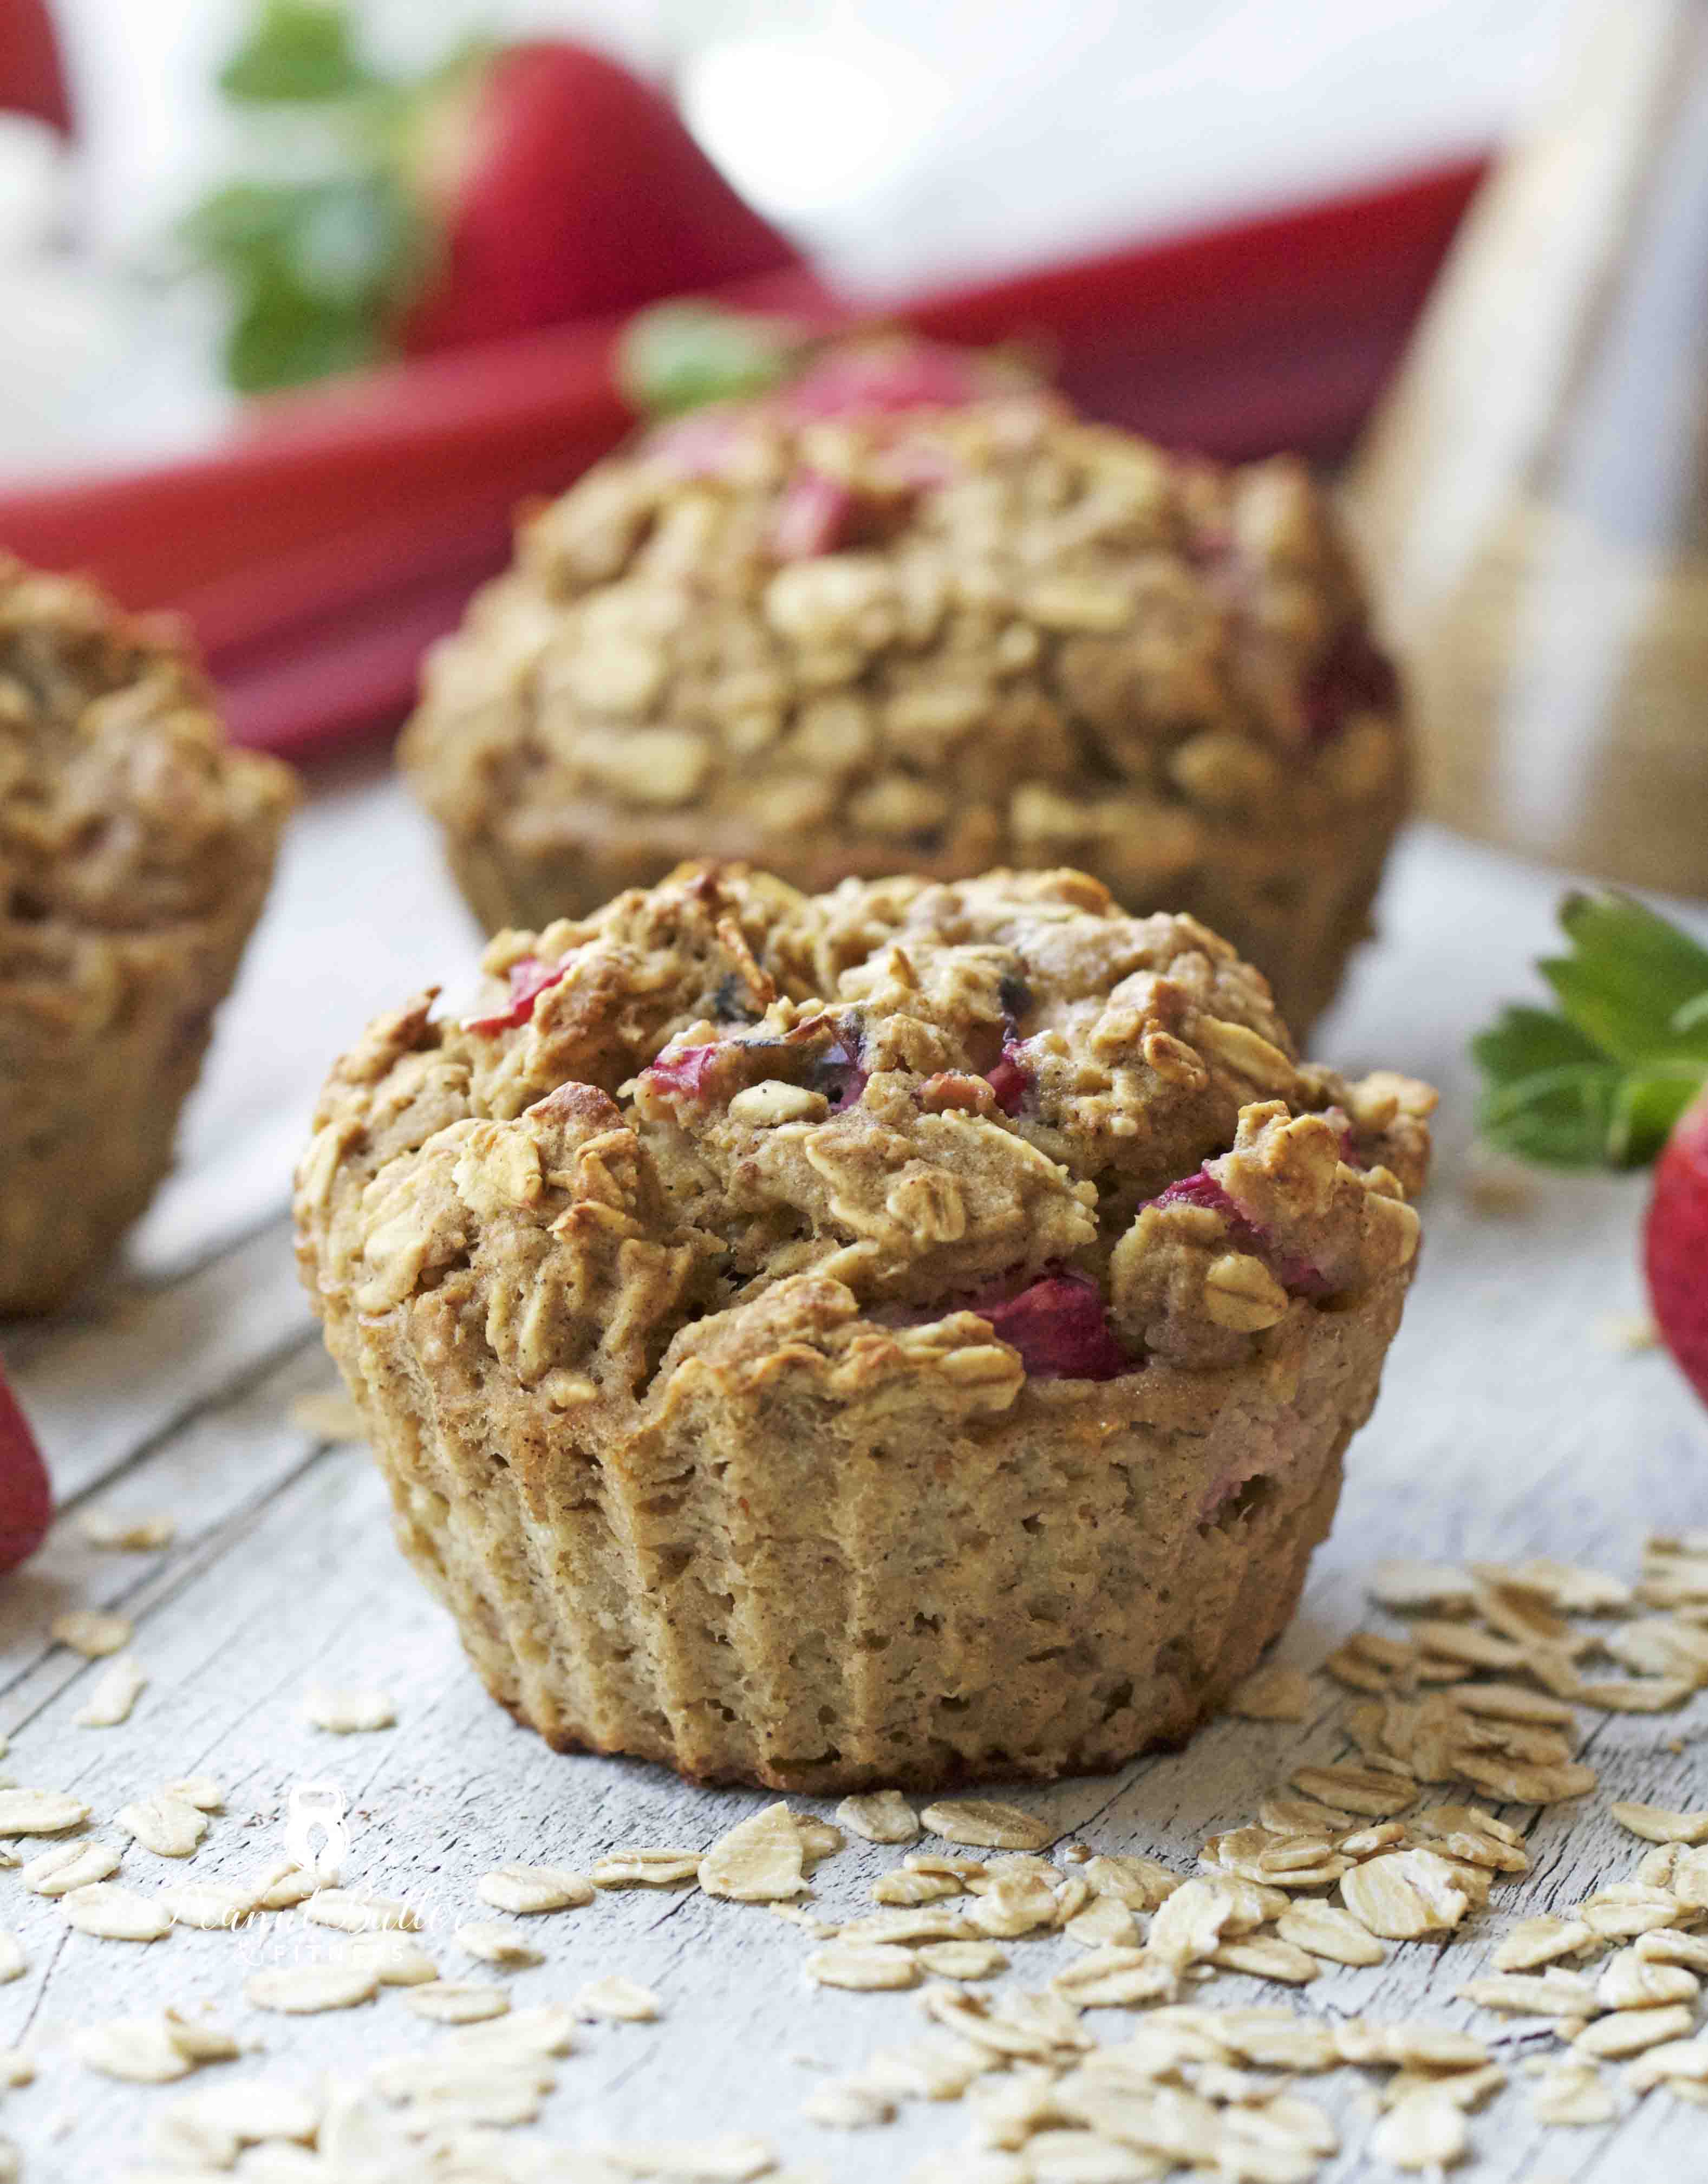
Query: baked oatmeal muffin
907	614
902	1336
135	848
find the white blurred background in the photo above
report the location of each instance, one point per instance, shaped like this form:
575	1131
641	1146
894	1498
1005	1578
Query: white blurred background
900	141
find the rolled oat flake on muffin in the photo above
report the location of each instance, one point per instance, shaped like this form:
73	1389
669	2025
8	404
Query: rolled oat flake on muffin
907	1336
135	848
909	614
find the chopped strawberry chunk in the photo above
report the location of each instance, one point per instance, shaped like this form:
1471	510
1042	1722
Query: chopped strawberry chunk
1059	1325
812	517
1352	676
1009	1079
685	1071
528	978
26	1499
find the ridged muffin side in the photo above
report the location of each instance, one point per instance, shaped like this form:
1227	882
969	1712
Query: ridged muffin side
136	851
947	1377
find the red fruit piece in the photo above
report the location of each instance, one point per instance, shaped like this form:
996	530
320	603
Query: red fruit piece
529	979
26	1499
1059	1325
1352	676
1675	1244
859	378
564	185
811	517
685	1071
1008	1080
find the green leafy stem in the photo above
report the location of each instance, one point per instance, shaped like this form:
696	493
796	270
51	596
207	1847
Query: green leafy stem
1600	1080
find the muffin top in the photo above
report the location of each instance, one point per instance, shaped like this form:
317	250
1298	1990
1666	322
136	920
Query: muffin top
122	807
931	613
721	1116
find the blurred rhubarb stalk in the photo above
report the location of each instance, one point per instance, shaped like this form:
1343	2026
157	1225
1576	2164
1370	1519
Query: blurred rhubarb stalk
1534	492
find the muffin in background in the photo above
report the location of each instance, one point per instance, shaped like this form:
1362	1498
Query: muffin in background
910	612
135	849
908	1336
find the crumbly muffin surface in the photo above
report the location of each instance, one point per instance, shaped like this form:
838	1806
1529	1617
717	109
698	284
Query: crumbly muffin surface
940	638
902	1101
122	808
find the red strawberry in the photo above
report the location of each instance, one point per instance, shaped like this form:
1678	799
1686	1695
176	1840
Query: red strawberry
1675	1244
561	185
26	1500
1615	1078
512	188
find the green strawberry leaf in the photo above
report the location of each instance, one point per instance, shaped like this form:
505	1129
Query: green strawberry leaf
676	356
1601	1081
1629	974
298	51
316	269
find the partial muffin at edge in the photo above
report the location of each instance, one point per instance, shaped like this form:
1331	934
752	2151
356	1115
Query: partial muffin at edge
837	641
135	850
906	1335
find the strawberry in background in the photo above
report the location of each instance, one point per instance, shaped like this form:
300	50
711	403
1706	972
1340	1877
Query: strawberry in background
26	1500
1617	1077
514	187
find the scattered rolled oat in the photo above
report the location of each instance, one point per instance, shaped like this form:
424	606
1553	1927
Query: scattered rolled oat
1657	1824
303	1990
732	2160
759	1861
1114	1979
458	2002
1541	1941
849	2104
617	1997
113	1694
353	1914
1565	2095
281	1887
1105	1921
65	1866
1684	2060
528	1889
257	2111
1629	1980
646	1869
1276	1692
11	1961
1325	1931
347	1712
116	1914
908	1889
819	1839
40	1813
494	1944
962	1960
164	1824
1422	2131
1356	1789
201	1791
882	1816
1540	1994
863	1966
985	1824
136	2049
201	2042
392	1958
1626	2033
116	1534
88	1631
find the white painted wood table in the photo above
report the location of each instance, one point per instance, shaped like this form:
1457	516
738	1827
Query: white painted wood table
1505	1429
